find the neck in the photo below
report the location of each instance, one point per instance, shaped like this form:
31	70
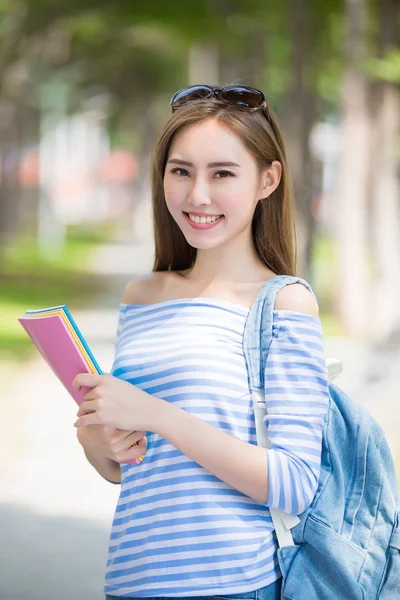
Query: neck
236	261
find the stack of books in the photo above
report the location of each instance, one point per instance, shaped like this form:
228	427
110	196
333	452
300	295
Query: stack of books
62	345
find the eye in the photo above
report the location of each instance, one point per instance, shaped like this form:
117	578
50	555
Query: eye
179	171
223	174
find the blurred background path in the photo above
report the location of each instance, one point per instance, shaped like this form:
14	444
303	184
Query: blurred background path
55	511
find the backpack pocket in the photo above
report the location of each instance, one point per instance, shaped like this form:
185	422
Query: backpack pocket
390	584
325	566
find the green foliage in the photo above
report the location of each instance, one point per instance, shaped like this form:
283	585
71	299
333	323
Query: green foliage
324	264
330	73
385	69
135	54
136	50
29	280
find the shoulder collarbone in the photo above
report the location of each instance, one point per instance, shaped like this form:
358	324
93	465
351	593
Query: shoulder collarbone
143	290
297	298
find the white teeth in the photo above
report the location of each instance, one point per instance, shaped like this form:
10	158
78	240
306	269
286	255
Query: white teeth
203	220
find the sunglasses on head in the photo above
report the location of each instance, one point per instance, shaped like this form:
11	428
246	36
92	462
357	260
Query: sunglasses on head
235	95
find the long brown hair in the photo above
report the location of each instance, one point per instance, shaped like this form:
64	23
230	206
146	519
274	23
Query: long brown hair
273	225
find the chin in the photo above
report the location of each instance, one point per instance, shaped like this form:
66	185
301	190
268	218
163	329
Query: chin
205	244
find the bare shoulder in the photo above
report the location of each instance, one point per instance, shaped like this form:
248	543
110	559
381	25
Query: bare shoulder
297	298
145	289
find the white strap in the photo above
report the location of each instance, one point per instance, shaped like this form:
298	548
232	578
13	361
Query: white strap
334	366
283	522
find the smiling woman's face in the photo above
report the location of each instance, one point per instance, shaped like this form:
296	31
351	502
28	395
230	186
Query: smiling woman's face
212	184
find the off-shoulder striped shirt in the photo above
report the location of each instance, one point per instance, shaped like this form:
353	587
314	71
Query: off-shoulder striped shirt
178	530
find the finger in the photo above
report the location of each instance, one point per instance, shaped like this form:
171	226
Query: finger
88	419
142	444
86	407
91	394
123	434
86	379
134	436
111	432
117	436
131	461
134	455
122	444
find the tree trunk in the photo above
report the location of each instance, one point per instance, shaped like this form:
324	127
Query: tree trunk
9	185
299	117
385	188
353	279
203	64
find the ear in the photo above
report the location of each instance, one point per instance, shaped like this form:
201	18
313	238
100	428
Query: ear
270	179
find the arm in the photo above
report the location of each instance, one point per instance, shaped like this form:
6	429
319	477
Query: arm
106	447
121	404
297	398
243	466
100	442
93	440
107	468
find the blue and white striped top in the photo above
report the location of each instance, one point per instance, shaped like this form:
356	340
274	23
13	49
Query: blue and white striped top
179	530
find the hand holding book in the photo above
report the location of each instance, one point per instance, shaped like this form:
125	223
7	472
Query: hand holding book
117	403
115	444
62	345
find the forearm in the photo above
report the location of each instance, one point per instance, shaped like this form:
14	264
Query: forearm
241	465
107	468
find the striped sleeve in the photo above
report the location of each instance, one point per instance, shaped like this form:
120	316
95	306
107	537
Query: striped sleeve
297	397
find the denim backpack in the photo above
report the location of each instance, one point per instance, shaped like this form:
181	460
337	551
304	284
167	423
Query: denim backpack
346	544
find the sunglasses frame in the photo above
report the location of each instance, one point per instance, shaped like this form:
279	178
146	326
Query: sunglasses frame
216	92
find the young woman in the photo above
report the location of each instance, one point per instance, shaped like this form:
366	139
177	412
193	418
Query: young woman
193	516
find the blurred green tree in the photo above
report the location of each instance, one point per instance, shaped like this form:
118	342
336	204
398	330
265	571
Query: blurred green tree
315	59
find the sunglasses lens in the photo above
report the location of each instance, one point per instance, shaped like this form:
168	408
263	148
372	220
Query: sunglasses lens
243	97
195	92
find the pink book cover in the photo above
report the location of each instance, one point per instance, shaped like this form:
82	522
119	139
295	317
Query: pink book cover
57	346
53	339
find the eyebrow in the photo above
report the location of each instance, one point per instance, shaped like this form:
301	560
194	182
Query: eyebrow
177	161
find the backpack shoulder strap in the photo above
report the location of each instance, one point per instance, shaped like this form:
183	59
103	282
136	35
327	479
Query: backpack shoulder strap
258	327
256	342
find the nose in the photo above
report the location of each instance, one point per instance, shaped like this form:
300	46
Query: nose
200	193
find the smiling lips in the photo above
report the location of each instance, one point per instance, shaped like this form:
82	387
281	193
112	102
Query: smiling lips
201	221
